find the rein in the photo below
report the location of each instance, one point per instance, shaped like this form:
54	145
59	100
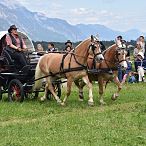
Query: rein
116	63
62	72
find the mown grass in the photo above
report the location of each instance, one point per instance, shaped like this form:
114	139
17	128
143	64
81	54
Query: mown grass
119	123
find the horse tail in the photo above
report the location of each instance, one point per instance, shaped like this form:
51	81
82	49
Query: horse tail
38	74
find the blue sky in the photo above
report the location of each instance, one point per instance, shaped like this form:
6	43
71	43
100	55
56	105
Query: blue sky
116	14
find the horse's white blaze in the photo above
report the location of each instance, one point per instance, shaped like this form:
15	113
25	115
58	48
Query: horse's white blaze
124	63
100	57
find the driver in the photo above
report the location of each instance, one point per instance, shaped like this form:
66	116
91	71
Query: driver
16	46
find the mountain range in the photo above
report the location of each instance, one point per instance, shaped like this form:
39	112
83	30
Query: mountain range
39	27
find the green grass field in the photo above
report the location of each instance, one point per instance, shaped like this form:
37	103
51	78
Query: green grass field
119	123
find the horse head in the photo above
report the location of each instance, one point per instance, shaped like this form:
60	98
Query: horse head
121	57
94	49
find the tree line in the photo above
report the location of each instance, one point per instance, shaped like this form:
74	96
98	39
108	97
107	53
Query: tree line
61	45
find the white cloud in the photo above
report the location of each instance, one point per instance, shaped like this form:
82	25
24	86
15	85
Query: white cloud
84	15
107	14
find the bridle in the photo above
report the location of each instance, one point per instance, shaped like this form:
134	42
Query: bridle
117	55
93	47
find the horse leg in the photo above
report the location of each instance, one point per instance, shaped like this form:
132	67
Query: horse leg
117	82
101	90
89	84
69	84
80	84
45	93
49	86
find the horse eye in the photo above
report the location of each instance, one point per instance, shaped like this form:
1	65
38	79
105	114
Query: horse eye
97	41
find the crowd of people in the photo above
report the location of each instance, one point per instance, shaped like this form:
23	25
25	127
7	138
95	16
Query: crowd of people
136	62
16	47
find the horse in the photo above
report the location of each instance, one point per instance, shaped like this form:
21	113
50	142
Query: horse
72	66
105	71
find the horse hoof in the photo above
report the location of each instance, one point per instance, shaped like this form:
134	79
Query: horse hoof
114	97
90	103
59	101
102	103
62	103
42	99
81	99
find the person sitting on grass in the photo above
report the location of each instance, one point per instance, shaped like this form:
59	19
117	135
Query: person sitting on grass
132	78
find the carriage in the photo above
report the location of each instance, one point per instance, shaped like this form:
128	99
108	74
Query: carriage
15	82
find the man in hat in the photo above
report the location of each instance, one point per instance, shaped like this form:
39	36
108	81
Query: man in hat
16	46
69	46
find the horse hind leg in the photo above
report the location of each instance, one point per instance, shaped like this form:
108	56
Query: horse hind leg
80	84
49	86
69	84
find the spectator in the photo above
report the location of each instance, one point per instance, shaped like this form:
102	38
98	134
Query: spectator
69	46
128	70
132	78
119	42
140	66
137	49
141	41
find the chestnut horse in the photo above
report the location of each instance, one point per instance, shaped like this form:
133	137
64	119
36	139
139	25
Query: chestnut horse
72	65
107	70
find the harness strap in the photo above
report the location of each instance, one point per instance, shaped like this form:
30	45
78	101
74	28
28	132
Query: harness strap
62	72
83	66
70	60
62	62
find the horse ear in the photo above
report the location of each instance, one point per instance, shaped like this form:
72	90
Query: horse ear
92	38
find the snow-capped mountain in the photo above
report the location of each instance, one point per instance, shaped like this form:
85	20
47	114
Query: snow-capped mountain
40	27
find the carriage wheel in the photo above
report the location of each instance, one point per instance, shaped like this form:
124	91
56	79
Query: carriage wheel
0	93
57	89
15	91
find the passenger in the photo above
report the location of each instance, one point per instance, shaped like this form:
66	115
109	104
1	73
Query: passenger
69	46
16	47
39	48
51	47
